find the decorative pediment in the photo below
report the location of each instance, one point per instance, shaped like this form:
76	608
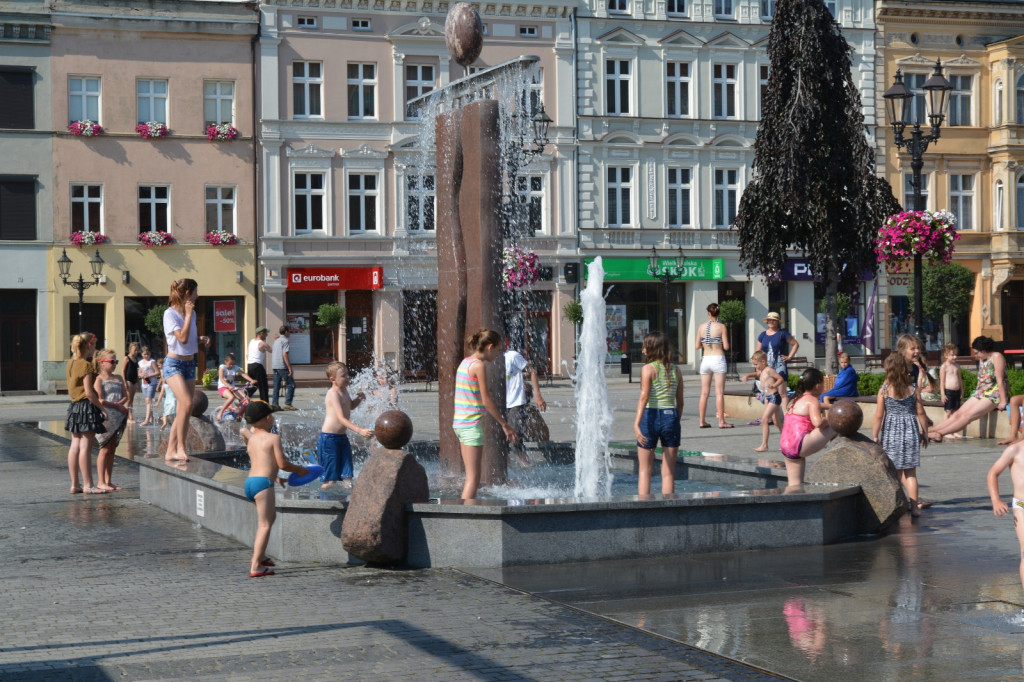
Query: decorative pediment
728	41
364	152
621	36
916	60
681	39
681	140
963	60
310	151
619	137
726	141
424	28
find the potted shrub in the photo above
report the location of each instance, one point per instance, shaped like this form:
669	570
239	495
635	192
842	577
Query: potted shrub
221	238
221	132
156	238
330	315
81	239
85	128
152	129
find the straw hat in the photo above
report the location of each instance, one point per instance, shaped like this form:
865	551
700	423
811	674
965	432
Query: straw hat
771	316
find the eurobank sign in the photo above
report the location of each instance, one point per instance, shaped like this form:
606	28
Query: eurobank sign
635	269
348	279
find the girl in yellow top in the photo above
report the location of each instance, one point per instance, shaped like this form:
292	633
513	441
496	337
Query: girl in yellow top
471	399
85	413
657	413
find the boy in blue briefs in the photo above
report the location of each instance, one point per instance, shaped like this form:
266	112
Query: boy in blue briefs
1012	459
266	457
333	451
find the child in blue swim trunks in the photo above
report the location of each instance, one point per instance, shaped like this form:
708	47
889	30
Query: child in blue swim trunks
266	457
1012	459
333	451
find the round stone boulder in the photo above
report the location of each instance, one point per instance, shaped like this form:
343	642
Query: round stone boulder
393	429
464	33
200	402
845	417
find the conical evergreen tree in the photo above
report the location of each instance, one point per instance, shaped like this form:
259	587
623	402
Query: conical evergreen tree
814	188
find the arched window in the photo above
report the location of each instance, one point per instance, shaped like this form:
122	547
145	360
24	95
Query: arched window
998	103
1020	100
1020	203
997	216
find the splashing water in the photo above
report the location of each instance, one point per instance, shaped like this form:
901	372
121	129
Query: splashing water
594	416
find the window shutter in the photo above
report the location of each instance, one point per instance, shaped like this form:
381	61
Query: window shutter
16	105
17	209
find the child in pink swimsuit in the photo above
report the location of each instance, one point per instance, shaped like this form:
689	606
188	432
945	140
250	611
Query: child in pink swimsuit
805	431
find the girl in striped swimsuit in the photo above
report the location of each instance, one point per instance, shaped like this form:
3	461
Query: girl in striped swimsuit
471	399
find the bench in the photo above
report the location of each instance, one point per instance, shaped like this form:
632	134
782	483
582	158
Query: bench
872	360
797	363
410	376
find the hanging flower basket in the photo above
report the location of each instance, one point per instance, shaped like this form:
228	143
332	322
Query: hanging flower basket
221	238
85	128
87	238
221	132
521	268
917	232
152	129
156	238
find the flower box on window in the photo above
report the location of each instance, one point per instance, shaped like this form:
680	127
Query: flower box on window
156	238
85	128
520	268
917	232
221	238
221	132
87	238
152	129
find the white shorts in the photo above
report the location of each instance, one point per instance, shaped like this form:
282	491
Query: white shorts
713	364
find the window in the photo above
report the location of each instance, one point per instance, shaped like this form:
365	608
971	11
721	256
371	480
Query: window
218	102
307	89
617	83
419	203
419	80
723	9
360	24
918	106
618	6
86	208
1020	100
309	201
961	200
767	9
830	5
998	212
83	99
724	95
527	31
17	105
319	350
677	78
307	22
531	191
908	191
220	208
680	182
1020	203
154	208
619	188
998	105
960	100
763	71
362	202
17	207
726	193
362	90
151	100
676	7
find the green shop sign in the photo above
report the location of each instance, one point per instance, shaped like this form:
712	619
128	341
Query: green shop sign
636	268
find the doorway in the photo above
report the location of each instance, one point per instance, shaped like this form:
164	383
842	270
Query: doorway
1011	303
735	291
359	329
93	321
18	369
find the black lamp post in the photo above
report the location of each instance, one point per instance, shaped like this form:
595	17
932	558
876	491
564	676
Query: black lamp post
666	273
898	100
64	264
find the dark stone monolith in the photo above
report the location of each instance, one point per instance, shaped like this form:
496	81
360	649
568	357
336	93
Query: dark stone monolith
375	528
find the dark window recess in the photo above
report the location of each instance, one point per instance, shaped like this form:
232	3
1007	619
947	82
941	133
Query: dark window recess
17	109
17	209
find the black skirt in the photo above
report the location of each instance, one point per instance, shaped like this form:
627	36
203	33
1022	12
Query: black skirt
84	417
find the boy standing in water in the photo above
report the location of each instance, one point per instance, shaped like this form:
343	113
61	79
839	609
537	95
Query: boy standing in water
771	383
333	451
1012	459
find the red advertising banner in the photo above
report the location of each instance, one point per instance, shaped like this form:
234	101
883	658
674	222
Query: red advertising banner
224	318
336	278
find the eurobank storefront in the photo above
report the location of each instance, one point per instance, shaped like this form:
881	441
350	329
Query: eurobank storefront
638	303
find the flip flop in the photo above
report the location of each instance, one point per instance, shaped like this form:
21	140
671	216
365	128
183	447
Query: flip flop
112	489
267	562
95	491
260	574
725	426
755	422
75	490
705	426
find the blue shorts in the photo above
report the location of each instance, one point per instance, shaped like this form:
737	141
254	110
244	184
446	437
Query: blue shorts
254	485
773	398
174	366
334	454
660	424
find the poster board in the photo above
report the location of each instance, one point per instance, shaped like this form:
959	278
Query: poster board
617	338
298	338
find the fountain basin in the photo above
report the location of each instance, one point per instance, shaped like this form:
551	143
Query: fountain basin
499	533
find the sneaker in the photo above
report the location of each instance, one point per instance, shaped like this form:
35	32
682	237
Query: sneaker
275	408
289	407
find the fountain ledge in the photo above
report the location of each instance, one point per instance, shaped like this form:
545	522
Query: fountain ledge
499	533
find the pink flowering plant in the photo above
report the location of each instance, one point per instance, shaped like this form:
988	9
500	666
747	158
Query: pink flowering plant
917	232
521	268
152	129
87	238
221	132
85	128
156	238
221	238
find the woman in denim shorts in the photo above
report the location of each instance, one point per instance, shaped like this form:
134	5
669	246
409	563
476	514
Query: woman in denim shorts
657	413
180	363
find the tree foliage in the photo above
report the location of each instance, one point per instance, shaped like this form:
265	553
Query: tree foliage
573	312
330	315
947	290
155	319
731	312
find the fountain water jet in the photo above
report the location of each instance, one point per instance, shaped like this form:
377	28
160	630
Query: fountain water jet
593	415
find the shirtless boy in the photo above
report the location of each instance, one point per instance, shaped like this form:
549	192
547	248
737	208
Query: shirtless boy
266	457
333	451
771	381
1012	459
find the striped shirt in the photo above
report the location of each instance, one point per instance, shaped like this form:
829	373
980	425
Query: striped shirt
663	390
469	407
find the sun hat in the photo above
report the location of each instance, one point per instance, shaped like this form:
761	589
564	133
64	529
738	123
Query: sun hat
261	329
769	316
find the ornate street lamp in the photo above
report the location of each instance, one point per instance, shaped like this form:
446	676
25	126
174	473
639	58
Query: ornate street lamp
665	272
64	265
898	101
